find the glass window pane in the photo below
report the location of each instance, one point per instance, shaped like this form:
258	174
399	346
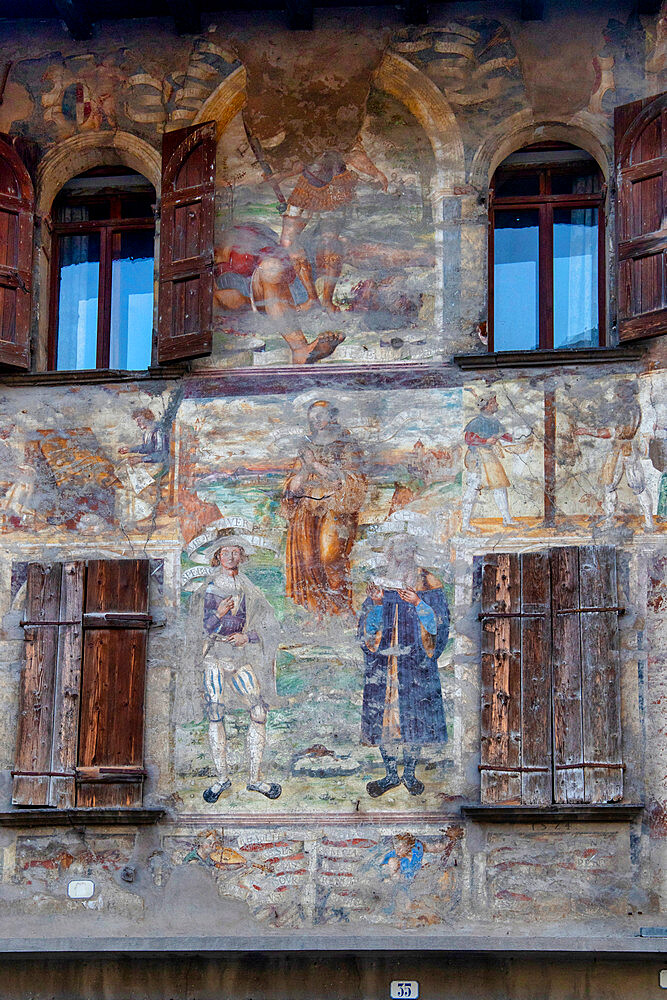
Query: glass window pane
77	303
515	281
575	183
517	185
137	208
132	302
576	277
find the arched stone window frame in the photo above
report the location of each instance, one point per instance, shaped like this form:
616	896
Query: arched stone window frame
593	136
61	163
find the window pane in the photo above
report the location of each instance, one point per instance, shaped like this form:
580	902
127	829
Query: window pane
137	208
576	277
132	302
575	183
515	281
77	303
517	185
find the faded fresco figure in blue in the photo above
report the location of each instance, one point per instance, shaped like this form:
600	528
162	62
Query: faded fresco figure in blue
403	629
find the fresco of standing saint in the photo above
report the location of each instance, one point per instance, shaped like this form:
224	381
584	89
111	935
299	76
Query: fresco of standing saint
322	498
403	629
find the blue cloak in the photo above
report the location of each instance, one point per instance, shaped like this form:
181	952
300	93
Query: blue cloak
421	712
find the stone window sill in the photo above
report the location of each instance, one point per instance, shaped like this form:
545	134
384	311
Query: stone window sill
93	376
107	816
602	813
548	359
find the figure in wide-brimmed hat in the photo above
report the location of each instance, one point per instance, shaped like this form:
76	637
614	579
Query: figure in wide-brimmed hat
237	633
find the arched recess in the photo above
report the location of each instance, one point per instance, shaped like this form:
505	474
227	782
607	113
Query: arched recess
407	84
518	132
225	102
399	78
582	130
66	160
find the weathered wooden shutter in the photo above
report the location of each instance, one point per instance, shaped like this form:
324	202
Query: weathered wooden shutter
586	675
110	762
640	133
16	236
49	693
516	678
81	699
186	243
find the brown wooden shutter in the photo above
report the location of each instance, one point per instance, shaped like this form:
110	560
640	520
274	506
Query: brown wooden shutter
640	135
16	236
49	692
516	677
186	243
110	762
586	675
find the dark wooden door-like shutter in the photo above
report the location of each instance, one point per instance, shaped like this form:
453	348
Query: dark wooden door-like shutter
640	132
586	675
16	236
516	678
49	693
110	762
186	243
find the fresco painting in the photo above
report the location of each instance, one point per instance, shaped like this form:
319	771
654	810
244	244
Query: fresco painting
333	533
620	477
325	242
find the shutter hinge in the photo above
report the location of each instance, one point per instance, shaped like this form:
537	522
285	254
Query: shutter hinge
583	763
111	773
116	619
574	611
511	770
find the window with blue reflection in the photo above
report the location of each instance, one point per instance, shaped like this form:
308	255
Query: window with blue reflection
575	243
516	280
78	289
132	302
547	293
103	248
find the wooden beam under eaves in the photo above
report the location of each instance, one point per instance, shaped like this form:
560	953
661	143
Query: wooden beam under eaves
532	10
415	12
186	15
299	15
73	13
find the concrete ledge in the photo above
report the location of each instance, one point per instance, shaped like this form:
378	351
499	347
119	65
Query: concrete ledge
80	817
546	359
607	812
312	941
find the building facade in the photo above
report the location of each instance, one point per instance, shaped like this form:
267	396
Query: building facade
334	501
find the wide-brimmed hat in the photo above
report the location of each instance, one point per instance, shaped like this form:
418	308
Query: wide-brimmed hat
228	541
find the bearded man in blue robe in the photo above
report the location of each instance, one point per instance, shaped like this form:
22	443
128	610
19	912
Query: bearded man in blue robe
403	629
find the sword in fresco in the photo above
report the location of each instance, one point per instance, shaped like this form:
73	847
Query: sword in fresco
258	153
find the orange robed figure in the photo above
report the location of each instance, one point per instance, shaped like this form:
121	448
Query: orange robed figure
321	501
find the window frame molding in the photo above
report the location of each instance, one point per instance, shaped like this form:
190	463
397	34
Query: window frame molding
545	205
106	229
68	159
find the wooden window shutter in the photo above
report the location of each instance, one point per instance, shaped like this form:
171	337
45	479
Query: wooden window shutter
110	762
49	692
640	138
16	238
81	698
516	679
586	675
185	305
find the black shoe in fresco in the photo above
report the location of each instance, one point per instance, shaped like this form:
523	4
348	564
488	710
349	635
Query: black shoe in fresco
377	788
212	794
272	790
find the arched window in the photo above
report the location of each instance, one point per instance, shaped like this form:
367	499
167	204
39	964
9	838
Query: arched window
102	272
546	250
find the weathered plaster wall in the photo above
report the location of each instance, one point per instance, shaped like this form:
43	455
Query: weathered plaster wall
161	467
